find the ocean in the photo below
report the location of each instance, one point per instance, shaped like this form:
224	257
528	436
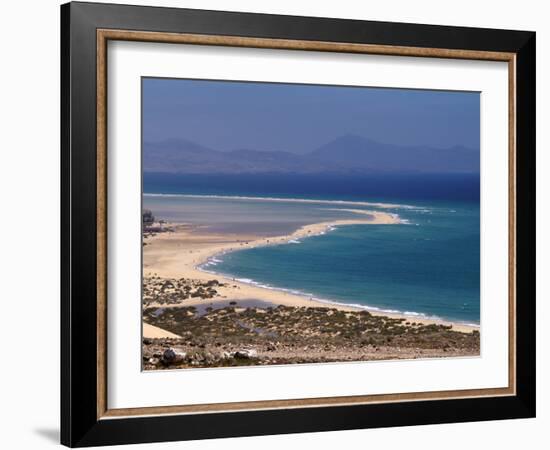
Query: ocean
429	265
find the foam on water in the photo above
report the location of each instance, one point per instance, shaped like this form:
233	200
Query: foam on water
282	199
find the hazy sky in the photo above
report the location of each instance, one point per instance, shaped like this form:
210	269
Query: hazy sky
299	118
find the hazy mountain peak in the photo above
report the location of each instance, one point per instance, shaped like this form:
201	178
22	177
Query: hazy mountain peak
350	138
349	153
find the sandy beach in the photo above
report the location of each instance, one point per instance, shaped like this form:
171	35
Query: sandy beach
152	332
177	254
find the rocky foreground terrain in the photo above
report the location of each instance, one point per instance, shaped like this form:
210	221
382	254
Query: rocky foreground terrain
233	335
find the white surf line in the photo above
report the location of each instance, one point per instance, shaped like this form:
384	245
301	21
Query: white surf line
282	199
296	237
407	315
364	212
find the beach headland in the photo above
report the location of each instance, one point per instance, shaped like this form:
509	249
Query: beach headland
175	284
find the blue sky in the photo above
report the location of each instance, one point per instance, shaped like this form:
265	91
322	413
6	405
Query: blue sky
299	118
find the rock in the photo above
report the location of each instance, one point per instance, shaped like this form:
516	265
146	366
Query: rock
154	361
171	356
147	341
245	354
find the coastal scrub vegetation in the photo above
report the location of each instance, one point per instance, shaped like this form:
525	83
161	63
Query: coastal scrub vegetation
236	336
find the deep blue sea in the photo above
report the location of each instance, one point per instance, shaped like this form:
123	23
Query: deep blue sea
429	265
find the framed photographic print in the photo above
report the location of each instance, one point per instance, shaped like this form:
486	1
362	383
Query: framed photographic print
276	224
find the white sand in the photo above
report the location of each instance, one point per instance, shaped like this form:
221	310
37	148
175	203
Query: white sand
150	331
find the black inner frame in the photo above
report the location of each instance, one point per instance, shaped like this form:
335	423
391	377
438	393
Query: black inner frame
79	423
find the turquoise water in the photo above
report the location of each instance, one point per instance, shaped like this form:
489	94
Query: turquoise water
429	265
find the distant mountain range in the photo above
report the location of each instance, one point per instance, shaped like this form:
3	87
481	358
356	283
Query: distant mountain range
346	154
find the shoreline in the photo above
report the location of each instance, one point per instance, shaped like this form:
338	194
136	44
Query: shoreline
382	205
162	258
